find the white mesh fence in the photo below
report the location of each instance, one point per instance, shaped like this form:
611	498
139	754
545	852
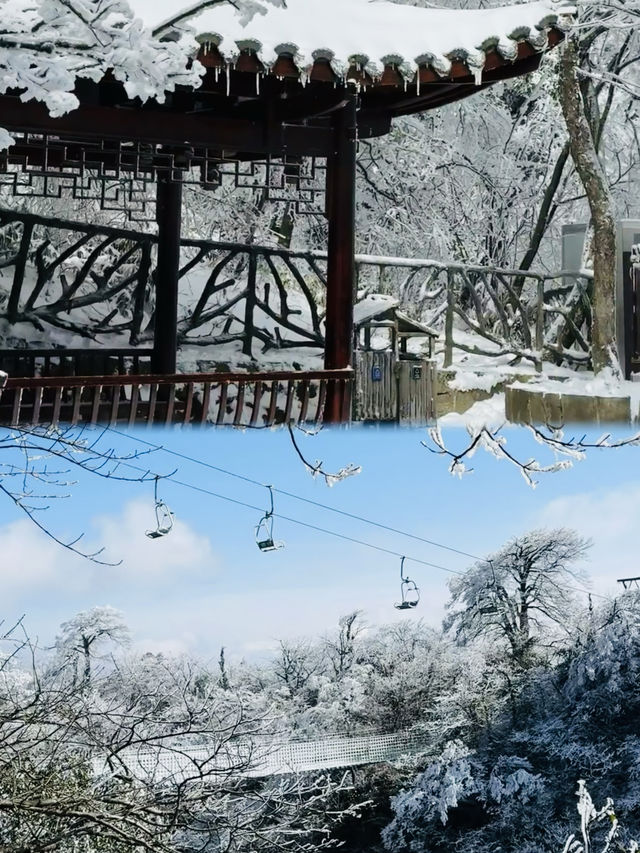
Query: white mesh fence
261	758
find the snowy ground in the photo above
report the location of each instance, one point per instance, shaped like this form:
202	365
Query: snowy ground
487	373
483	373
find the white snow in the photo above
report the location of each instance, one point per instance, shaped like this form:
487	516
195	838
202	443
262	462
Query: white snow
485	413
47	46
371	306
375	32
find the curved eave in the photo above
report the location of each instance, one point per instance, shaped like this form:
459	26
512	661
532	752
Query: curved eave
380	100
244	109
432	94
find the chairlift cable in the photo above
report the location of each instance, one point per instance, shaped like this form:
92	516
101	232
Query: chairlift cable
298	521
307	524
293	495
315	527
337	535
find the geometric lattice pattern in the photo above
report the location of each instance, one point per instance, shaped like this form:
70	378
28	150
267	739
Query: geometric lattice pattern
121	176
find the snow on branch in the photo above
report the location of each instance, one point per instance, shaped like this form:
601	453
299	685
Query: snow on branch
46	45
38	469
592	819
493	440
316	469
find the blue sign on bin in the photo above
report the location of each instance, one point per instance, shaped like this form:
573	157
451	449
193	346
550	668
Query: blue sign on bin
376	373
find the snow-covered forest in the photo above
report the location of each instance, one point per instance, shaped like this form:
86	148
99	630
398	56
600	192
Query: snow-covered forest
511	727
525	696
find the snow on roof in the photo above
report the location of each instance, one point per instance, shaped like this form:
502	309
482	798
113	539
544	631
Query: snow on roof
407	323
371	306
373	33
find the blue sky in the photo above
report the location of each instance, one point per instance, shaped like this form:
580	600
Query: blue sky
207	584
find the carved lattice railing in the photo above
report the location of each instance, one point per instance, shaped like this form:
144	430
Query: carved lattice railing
97	282
489	311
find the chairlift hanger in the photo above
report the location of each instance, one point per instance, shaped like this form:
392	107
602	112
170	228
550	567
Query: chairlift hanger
264	529
410	594
486	606
164	516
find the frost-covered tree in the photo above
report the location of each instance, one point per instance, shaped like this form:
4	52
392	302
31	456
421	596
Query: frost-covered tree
518	592
405	669
599	828
340	648
46	45
69	780
87	632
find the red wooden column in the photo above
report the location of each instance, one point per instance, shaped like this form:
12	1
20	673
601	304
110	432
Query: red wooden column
168	217
341	209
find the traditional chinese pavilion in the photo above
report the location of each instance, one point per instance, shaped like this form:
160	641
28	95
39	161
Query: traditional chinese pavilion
302	79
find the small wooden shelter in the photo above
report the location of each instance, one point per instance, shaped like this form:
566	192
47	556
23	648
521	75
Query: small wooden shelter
392	383
288	82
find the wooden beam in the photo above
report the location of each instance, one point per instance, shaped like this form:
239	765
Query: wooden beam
163	126
168	215
341	186
176	379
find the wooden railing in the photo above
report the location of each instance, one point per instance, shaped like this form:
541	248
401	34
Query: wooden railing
488	311
239	399
99	282
93	361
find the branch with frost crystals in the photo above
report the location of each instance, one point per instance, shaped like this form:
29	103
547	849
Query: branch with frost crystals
590	820
40	472
613	13
495	442
316	468
575	448
47	46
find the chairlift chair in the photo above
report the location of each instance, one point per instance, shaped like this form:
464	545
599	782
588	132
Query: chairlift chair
164	517
409	592
264	530
483	602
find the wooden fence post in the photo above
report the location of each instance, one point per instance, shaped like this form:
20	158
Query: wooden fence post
540	324
250	304
448	323
168	215
341	188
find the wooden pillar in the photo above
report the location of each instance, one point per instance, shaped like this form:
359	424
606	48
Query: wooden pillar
168	216
341	204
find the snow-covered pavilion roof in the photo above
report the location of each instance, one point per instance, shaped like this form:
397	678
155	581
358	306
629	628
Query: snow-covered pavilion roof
373	34
277	74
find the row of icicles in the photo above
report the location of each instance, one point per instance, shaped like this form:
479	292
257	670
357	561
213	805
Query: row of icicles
409	591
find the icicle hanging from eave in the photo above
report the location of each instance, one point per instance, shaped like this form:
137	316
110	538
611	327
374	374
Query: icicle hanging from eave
474	59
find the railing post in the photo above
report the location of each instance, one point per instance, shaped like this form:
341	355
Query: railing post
168	216
382	278
18	273
250	305
540	324
448	323
341	181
